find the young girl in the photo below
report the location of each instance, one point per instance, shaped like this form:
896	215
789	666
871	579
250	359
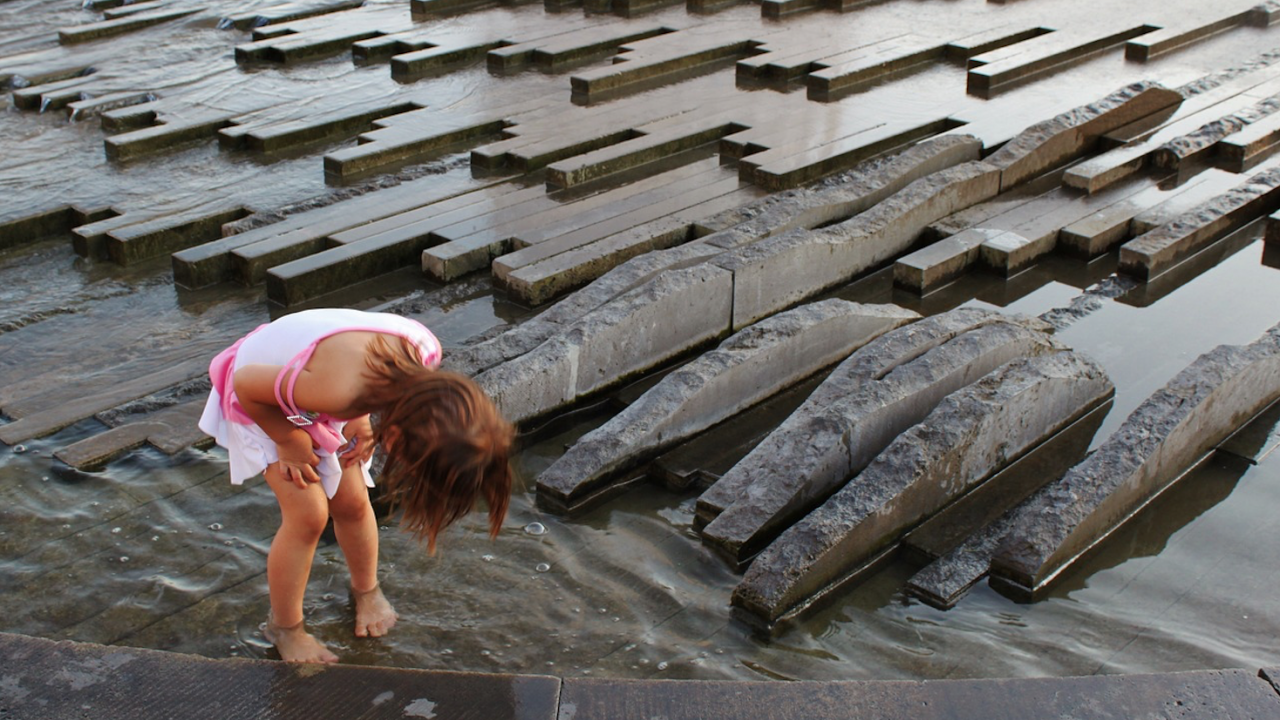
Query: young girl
292	400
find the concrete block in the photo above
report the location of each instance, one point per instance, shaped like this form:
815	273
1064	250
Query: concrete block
1168	434
959	541
170	430
870	363
163	137
671	54
744	370
637	331
166	233
110	28
1185	33
536	283
967	438
1073	133
1249	146
998	71
782	270
937	264
1010	253
1197	147
1155	252
814	454
842	196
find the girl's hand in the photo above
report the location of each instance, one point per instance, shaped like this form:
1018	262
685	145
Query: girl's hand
298	459
362	431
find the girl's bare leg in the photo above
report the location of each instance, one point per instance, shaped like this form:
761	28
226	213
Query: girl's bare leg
303	515
357	529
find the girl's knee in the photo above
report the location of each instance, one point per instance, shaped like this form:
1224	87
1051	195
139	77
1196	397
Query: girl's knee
350	507
305	523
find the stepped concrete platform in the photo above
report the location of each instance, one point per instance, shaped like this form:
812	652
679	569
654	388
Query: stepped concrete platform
47	680
972	434
1167	435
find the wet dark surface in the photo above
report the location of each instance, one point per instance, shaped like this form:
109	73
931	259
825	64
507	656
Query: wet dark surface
160	552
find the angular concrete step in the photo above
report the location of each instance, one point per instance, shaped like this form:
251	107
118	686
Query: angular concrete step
782	270
285	12
685	308
1244	149
552	54
1163	438
972	434
958	542
1157	251
538	282
745	369
110	28
211	262
877	393
661	57
389	147
166	233
418	63
996	71
825	83
170	430
1187	32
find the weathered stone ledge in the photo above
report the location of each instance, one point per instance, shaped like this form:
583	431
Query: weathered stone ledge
745	369
1167	435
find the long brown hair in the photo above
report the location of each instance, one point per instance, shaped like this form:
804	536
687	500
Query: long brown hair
445	442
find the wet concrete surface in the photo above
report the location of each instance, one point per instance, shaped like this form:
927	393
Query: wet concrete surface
197	589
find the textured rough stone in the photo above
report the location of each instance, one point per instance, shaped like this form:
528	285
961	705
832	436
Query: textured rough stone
869	364
1067	136
1164	437
813	457
782	270
632	333
747	368
970	435
1199	143
1157	251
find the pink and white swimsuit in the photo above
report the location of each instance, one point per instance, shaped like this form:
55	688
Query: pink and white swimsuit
289	342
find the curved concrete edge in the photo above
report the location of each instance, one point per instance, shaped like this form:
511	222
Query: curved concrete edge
47	680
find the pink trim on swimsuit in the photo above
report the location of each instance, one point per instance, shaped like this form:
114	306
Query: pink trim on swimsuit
326	437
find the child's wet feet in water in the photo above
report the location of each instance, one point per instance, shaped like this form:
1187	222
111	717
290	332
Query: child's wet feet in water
374	614
295	644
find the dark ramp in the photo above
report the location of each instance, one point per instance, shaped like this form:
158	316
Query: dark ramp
46	680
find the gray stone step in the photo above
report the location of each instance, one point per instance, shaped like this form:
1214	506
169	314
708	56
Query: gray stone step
660	57
285	12
968	437
992	72
1187	32
816	451
745	369
1169	433
109	28
170	430
1155	252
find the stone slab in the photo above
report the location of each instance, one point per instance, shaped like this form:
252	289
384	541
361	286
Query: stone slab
990	74
420	62
471	245
37	225
958	542
745	369
170	430
1098	233
1155	252
1256	440
941	262
166	136
553	54
211	263
971	434
537	283
1069	135
688	52
787	476
1200	189
110	28
166	233
344	122
1168	434
782	168
1242	150
827	81
1186	33
637	151
44	680
382	150
782	270
637	331
284	12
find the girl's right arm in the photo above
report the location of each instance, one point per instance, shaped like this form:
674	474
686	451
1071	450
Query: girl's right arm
255	389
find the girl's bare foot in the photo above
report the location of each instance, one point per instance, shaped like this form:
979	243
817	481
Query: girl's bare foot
374	615
295	644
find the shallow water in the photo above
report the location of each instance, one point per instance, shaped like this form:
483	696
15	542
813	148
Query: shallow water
162	552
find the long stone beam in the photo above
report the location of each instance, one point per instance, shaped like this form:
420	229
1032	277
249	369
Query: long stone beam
965	440
750	366
778	272
816	454
646	326
869	364
1167	435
